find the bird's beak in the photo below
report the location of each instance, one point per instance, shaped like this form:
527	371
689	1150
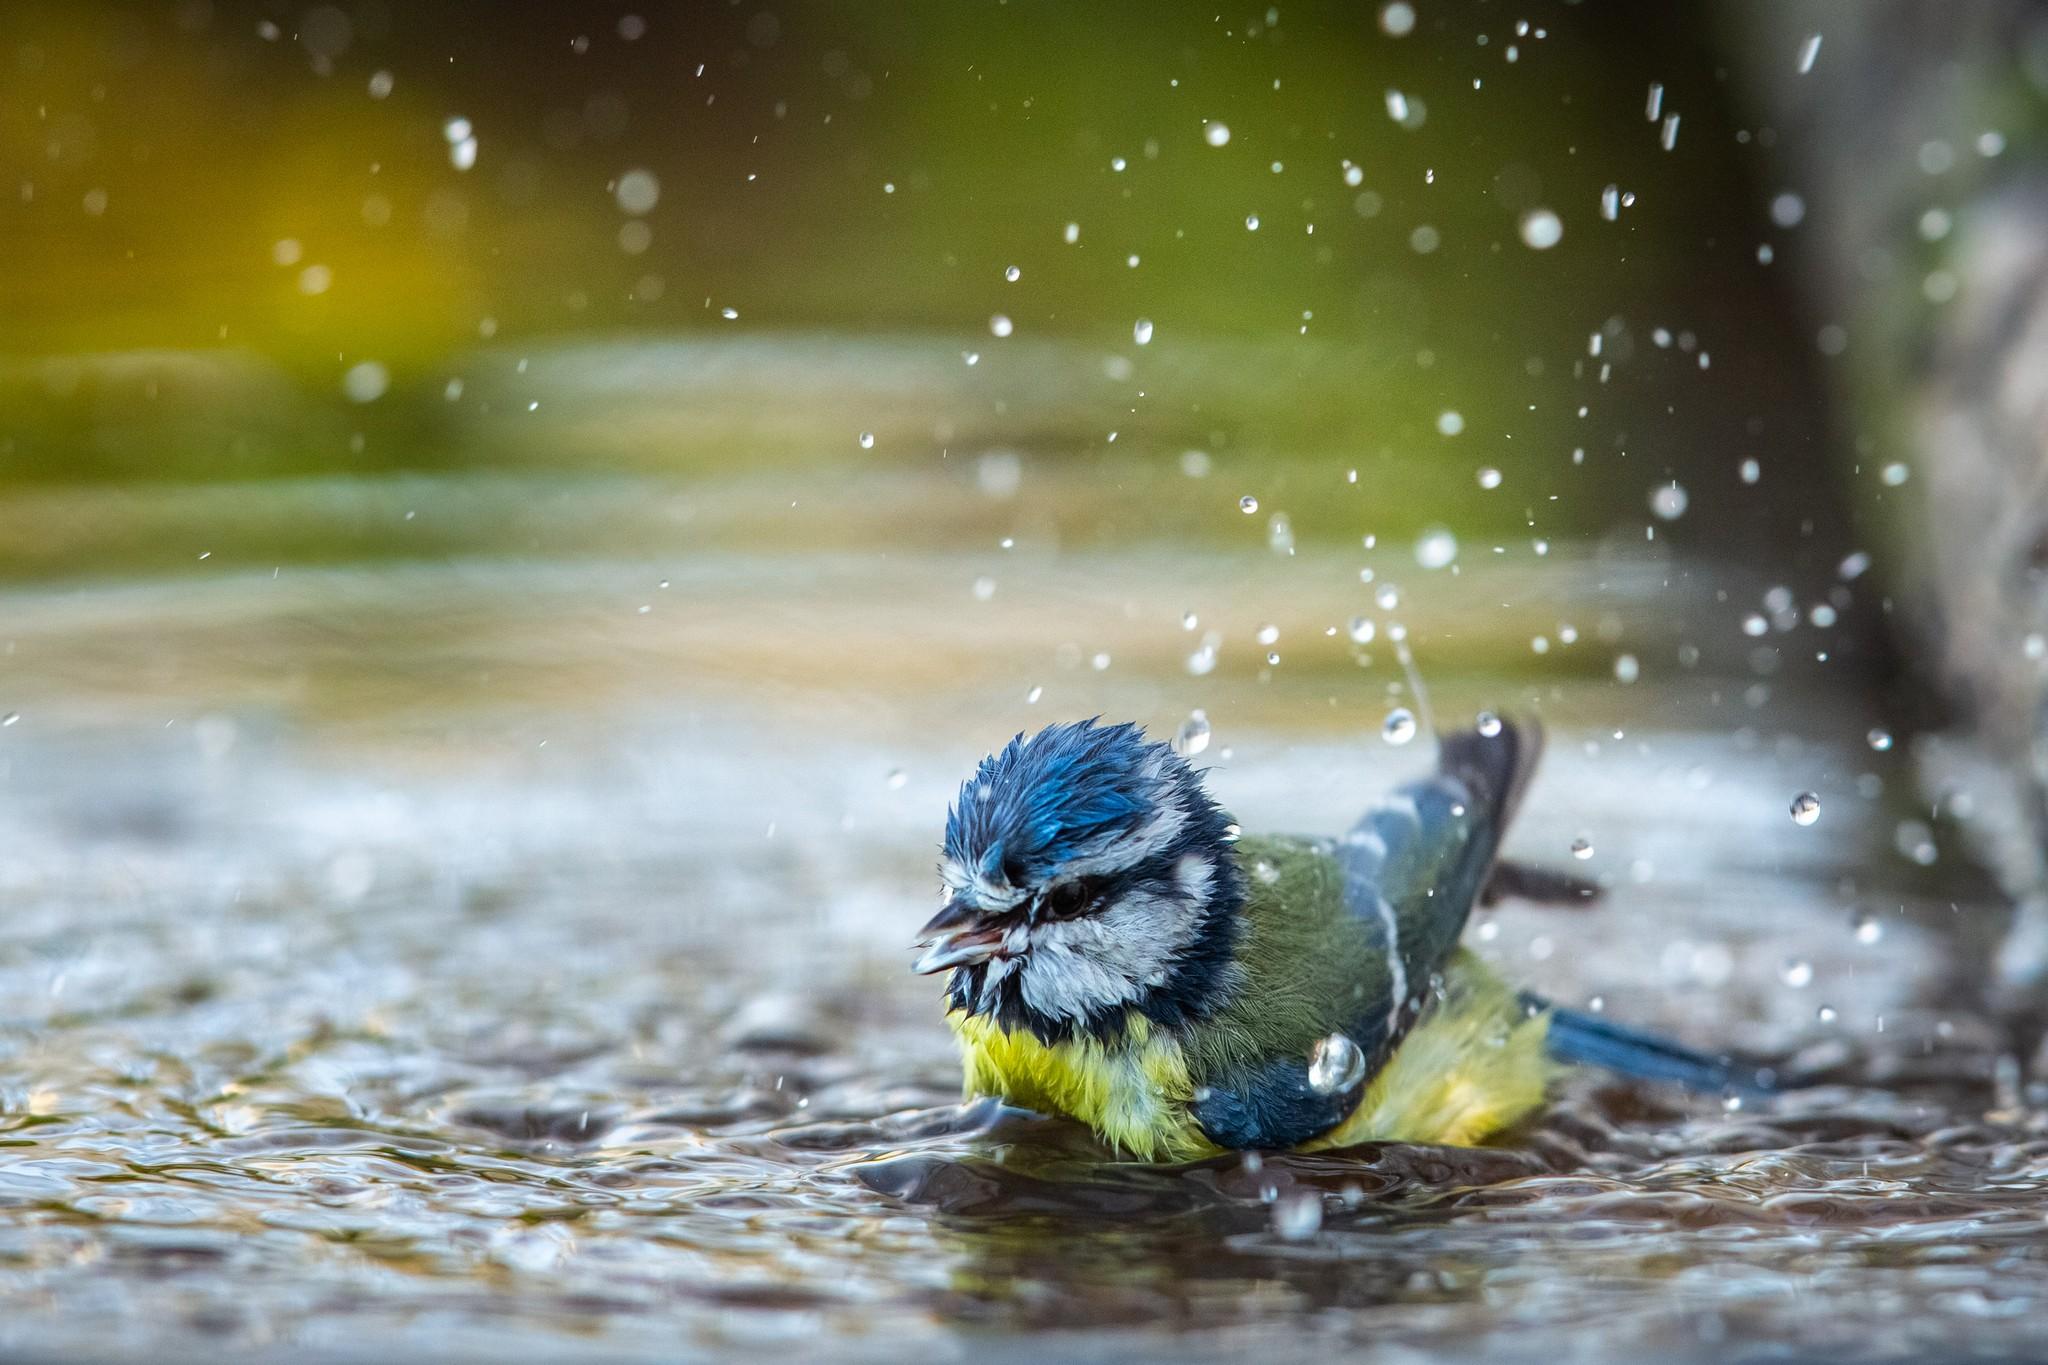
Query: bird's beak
958	936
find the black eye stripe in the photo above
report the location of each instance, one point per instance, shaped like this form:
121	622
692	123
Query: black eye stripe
1069	899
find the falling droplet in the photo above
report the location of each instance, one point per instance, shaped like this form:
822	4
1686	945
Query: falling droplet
11	718
1450	422
867	440
1808	51
1247	504
1000	325
1142	333
1669	501
1388	596
1489	478
1298	1216
1437	548
1805	808
1335	1064
1796	973
1541	229
1582	848
1216	133
1488	724
1627	669
1362	630
1867	928
897	778
1193	735
1251	222
1826	1014
1399	726
1880	740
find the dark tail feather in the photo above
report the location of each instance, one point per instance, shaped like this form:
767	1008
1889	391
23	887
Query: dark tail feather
1495	766
1589	1040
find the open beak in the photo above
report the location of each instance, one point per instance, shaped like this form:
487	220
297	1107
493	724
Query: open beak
959	935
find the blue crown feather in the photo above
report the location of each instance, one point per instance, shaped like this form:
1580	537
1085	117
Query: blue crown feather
1031	806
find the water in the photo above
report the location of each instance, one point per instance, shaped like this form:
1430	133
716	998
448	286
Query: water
446	955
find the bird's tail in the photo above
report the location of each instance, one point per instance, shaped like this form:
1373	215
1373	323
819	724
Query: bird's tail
1589	1040
1495	761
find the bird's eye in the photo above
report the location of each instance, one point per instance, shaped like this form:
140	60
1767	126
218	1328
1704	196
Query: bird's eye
1067	900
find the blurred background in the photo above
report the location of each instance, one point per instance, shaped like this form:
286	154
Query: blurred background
515	517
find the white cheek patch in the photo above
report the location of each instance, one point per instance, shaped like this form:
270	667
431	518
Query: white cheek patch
1075	968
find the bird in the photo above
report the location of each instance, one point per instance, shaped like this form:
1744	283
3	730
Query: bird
1119	953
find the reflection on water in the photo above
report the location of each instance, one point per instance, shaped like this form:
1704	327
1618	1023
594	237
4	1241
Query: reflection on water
456	956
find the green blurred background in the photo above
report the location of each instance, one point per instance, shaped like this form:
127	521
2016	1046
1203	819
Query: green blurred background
289	253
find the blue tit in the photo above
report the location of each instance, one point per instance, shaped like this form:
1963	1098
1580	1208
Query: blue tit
1119	954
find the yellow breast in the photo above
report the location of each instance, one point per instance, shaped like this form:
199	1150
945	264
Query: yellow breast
1469	1069
1134	1092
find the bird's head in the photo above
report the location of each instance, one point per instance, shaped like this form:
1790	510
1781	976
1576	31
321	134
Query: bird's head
1087	874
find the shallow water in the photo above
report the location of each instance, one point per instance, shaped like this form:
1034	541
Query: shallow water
455	956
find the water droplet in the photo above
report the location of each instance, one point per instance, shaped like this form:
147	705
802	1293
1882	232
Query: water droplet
1669	501
1880	740
1437	548
1193	735
637	191
1268	634
1216	133
1072	233
1867	928
1826	1014
1189	620
1397	20
1754	624
897	778
1582	848
1299	1216
1805	808
11	718
984	588
1541	229
1362	630
1202	662
1031	697
1796	973
1894	474
1450	423
1273	659
1488	724
1399	726
1787	210
1489	478
729	314
1335	1065
1000	325
1013	274
1247	504
1751	471
1808	50
1280	534
867	440
1626	668
1142	332
1251	222
1388	596
1915	841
